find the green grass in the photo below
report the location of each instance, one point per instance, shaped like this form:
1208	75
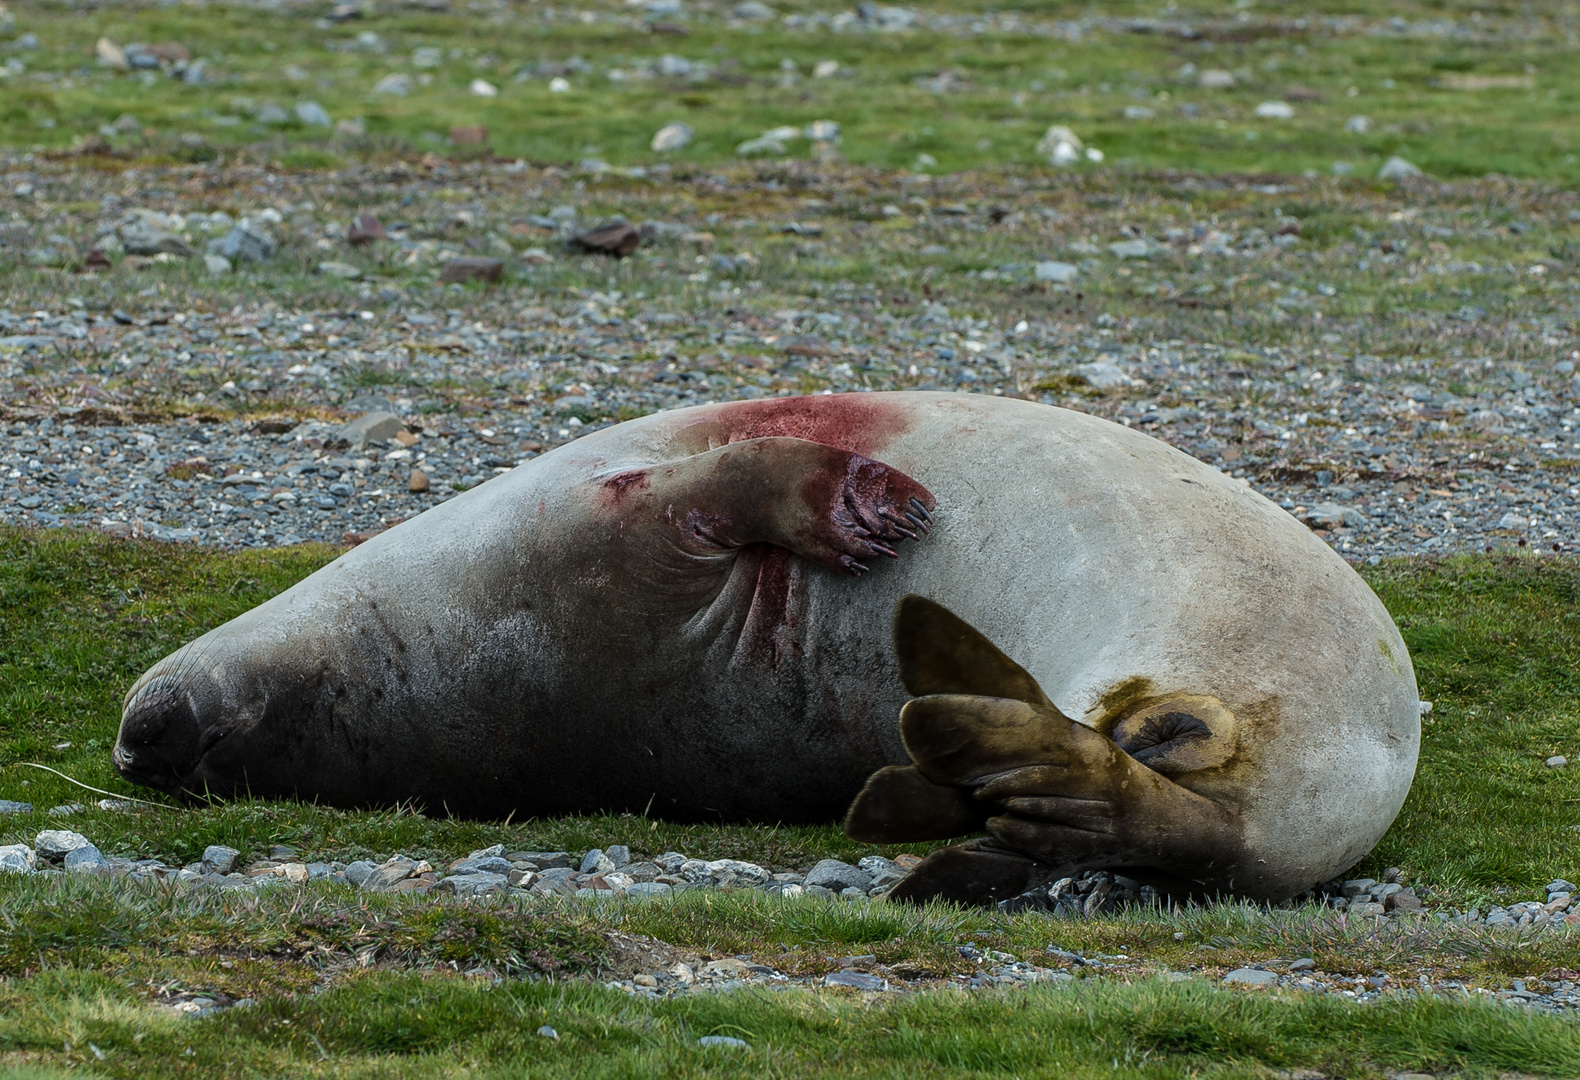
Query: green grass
410	1025
82	960
1012	84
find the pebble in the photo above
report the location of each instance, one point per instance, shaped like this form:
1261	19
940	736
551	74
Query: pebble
313	114
671	137
1397	168
1251	977
1557	761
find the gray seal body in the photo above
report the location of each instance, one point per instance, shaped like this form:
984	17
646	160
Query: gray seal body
671	613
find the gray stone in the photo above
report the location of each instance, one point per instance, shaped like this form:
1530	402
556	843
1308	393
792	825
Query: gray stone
817	891
85	860
216	265
219	859
1397	168
53	844
149	241
670	862
1104	374
1557	761
619	854
16	859
313	114
1131	249
389	875
543	860
1251	977
1366	909
1060	273
735	872
725	1042
857	979
7	807
371	402
884	871
473	884
344	271
853	893
1559	885
1357	887
248	243
648	888
492	864
1303	964
596	862
546	1032
358	872
835	876
1333	516
371	427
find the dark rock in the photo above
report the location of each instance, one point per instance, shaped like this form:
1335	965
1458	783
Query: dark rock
364	230
617	237
473	268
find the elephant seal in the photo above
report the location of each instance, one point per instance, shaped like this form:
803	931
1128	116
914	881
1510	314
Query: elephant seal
663	615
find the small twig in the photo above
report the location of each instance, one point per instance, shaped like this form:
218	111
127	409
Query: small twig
86	787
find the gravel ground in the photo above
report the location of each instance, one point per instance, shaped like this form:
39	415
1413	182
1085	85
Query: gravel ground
530	876
1400	399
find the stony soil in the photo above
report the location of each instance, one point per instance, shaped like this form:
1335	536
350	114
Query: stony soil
1393	365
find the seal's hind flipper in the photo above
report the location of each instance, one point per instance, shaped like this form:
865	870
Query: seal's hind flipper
961	738
975	873
899	805
941	653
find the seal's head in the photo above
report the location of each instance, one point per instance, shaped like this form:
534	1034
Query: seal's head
183	728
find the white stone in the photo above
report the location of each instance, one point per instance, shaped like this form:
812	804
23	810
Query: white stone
1358	125
399	84
826	131
1061	273
1215	79
313	114
53	844
16	859
1397	168
1060	145
671	137
1274	110
483	88
558	85
1557	761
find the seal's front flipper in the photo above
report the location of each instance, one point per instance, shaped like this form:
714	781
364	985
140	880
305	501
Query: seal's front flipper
828	505
976	873
899	805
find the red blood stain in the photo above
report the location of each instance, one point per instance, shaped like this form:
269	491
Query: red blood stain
854	422
769	629
620	485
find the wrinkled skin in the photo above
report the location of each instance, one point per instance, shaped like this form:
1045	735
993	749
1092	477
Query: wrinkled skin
692	612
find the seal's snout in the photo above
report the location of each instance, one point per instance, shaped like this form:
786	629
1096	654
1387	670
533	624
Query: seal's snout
161	737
